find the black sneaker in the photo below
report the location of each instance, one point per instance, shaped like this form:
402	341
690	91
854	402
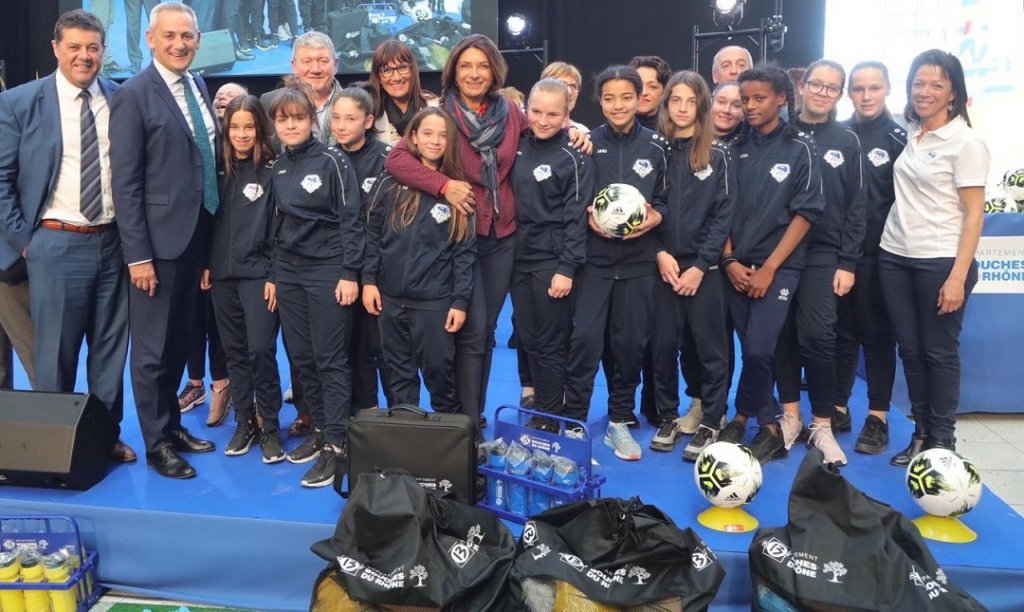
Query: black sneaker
322	472
265	42
705	437
916	445
667	435
767	446
841	421
243	439
542	424
733	432
873	438
308	450
270	444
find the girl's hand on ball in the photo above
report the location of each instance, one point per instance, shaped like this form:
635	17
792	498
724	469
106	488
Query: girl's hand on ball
597	229
652	221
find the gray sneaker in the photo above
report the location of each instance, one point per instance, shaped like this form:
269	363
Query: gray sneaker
821	437
689	423
621	441
792	429
704	438
667	435
575	432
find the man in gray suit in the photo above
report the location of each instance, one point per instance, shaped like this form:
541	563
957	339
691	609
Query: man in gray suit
58	213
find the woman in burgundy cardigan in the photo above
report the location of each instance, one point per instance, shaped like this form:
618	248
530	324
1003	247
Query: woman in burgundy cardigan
488	138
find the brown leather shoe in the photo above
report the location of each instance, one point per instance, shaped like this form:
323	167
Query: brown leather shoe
123	453
220	406
302	426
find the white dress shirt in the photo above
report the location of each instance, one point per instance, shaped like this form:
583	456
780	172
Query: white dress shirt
65	203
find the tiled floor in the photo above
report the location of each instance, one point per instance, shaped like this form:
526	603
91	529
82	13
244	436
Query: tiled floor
995	443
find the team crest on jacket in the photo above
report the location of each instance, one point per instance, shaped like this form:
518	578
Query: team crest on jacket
368	183
779	172
643	167
834	158
252	191
542	172
878	157
441	213
704	173
311	183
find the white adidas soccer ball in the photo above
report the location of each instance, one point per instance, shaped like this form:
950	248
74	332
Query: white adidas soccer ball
943	483
727	474
619	209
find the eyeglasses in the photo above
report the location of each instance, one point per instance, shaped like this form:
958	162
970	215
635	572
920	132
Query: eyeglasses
830	91
572	86
389	71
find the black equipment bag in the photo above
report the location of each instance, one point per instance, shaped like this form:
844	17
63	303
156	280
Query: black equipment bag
842	550
603	554
438	449
399	546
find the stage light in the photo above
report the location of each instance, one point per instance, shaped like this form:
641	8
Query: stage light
517	25
726	7
727	12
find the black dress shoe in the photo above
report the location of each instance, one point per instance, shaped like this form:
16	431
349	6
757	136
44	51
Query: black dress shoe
916	445
166	461
184	442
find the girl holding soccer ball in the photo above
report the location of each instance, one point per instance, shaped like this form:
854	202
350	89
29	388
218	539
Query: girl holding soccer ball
614	286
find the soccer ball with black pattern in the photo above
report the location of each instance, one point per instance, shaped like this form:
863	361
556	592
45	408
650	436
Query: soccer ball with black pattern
943	483
727	474
1013	185
619	209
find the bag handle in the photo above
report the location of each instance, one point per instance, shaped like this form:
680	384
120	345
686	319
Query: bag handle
413	408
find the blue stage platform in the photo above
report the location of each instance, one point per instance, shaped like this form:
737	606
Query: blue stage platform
239	534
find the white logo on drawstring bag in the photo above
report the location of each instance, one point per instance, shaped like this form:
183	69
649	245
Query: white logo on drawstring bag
834	158
311	183
441	213
878	157
419	574
349	565
252	191
779	172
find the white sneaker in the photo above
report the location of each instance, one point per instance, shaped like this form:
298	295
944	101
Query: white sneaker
621	441
792	428
821	437
689	423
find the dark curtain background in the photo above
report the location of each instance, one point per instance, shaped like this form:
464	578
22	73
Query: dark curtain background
588	33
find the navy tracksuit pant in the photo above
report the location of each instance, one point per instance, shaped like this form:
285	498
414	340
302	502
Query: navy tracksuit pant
758	323
249	334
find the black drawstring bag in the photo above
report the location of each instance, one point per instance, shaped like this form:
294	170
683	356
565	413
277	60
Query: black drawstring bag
398	546
842	550
603	554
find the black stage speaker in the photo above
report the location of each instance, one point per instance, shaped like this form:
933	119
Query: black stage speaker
216	53
54	440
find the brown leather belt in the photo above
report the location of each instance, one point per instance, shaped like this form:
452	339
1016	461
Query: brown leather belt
60	226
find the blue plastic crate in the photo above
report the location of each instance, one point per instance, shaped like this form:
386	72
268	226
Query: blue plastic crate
509	424
48	534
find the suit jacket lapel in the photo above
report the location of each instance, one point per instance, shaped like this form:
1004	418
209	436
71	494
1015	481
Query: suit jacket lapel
164	92
49	106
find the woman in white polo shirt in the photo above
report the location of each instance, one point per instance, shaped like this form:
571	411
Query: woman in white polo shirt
926	263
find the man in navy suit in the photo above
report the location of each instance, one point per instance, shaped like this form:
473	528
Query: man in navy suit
163	139
58	213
